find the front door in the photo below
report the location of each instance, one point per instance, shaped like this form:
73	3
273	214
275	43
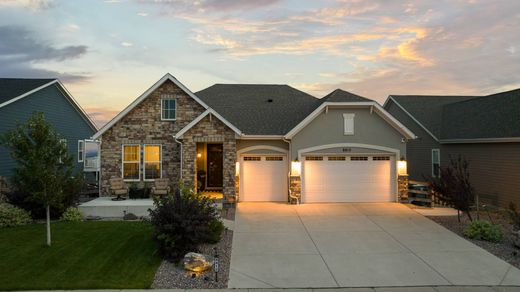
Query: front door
214	165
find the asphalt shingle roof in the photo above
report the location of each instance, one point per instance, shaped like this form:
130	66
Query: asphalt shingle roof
427	109
13	87
466	117
340	95
260	109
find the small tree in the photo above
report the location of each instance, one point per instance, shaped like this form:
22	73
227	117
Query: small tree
43	165
453	186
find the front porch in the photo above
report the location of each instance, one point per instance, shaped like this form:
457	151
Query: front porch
106	208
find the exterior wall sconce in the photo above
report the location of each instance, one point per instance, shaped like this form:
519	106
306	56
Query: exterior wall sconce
199	155
237	168
296	168
402	167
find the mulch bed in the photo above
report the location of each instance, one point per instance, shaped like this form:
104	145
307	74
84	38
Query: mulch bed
504	250
173	276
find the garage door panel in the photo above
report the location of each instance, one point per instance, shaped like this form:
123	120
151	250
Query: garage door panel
348	180
264	179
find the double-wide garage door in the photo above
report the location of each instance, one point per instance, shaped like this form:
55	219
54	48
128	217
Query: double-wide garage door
263	178
361	178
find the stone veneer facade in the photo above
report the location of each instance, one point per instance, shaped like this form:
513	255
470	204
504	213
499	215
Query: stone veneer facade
143	125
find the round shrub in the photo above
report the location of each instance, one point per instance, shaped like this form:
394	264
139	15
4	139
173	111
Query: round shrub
484	230
72	214
11	216
182	222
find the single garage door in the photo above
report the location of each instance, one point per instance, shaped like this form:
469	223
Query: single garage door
348	178
263	178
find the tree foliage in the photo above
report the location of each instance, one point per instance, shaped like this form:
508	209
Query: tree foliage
453	186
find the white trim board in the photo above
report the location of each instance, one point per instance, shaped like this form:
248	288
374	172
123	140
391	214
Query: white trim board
143	96
67	95
208	111
378	109
262	147
481	140
411	116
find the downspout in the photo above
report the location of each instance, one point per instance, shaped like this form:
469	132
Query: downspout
180	143
289	167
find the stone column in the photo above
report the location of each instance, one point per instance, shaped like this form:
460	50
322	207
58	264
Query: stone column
295	186
402	188
230	158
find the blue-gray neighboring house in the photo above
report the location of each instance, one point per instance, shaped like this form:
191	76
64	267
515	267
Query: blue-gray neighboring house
20	98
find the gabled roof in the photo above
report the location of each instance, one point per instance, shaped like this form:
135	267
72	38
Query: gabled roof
11	88
209	111
426	109
340	95
14	89
143	96
260	109
458	119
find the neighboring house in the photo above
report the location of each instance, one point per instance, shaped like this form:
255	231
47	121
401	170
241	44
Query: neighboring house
345	147
20	98
485	130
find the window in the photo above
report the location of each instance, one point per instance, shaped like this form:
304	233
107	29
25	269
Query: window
274	158
252	158
168	108
131	160
436	162
152	163
358	158
381	158
336	158
81	150
64	142
314	158
348	124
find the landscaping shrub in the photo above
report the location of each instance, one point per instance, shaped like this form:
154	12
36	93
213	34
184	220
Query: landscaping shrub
514	215
182	222
11	216
484	230
72	214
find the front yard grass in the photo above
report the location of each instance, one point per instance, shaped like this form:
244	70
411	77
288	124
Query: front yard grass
84	255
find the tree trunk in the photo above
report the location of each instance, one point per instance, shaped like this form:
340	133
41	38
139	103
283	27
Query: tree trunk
48	225
458	215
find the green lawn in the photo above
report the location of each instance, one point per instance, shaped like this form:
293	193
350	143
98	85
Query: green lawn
91	255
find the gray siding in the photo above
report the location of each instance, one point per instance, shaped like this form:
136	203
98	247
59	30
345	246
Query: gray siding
241	144
418	151
327	128
494	169
63	116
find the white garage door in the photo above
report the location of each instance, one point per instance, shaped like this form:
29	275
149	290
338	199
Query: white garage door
348	178
263	178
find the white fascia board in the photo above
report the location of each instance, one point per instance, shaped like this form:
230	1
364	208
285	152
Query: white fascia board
412	117
143	96
27	93
78	107
200	117
481	140
261	137
383	113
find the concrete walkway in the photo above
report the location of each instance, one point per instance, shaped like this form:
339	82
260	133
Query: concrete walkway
354	245
378	289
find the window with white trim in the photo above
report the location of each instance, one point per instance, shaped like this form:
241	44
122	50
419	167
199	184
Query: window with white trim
131	160
348	124
168	108
81	150
152	163
436	162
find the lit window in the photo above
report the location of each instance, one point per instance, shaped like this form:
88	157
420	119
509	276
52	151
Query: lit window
348	124
131	159
152	162
81	150
168	109
436	162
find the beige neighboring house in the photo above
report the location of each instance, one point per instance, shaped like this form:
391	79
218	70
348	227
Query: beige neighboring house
253	141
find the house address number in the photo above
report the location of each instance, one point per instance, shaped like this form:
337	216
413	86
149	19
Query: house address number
347	149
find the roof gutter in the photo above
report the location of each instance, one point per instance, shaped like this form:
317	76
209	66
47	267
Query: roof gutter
481	140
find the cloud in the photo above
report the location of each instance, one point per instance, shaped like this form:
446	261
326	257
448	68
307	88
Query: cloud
101	115
143	14
126	44
33	5
21	52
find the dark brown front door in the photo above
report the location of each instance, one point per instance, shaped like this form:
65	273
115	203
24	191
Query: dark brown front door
215	160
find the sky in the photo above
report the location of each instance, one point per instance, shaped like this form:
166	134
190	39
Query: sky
107	53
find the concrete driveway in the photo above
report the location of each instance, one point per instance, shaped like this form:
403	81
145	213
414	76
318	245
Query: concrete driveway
354	245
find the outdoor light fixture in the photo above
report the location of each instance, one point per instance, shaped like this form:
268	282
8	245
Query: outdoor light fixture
199	155
237	168
296	168
401	167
